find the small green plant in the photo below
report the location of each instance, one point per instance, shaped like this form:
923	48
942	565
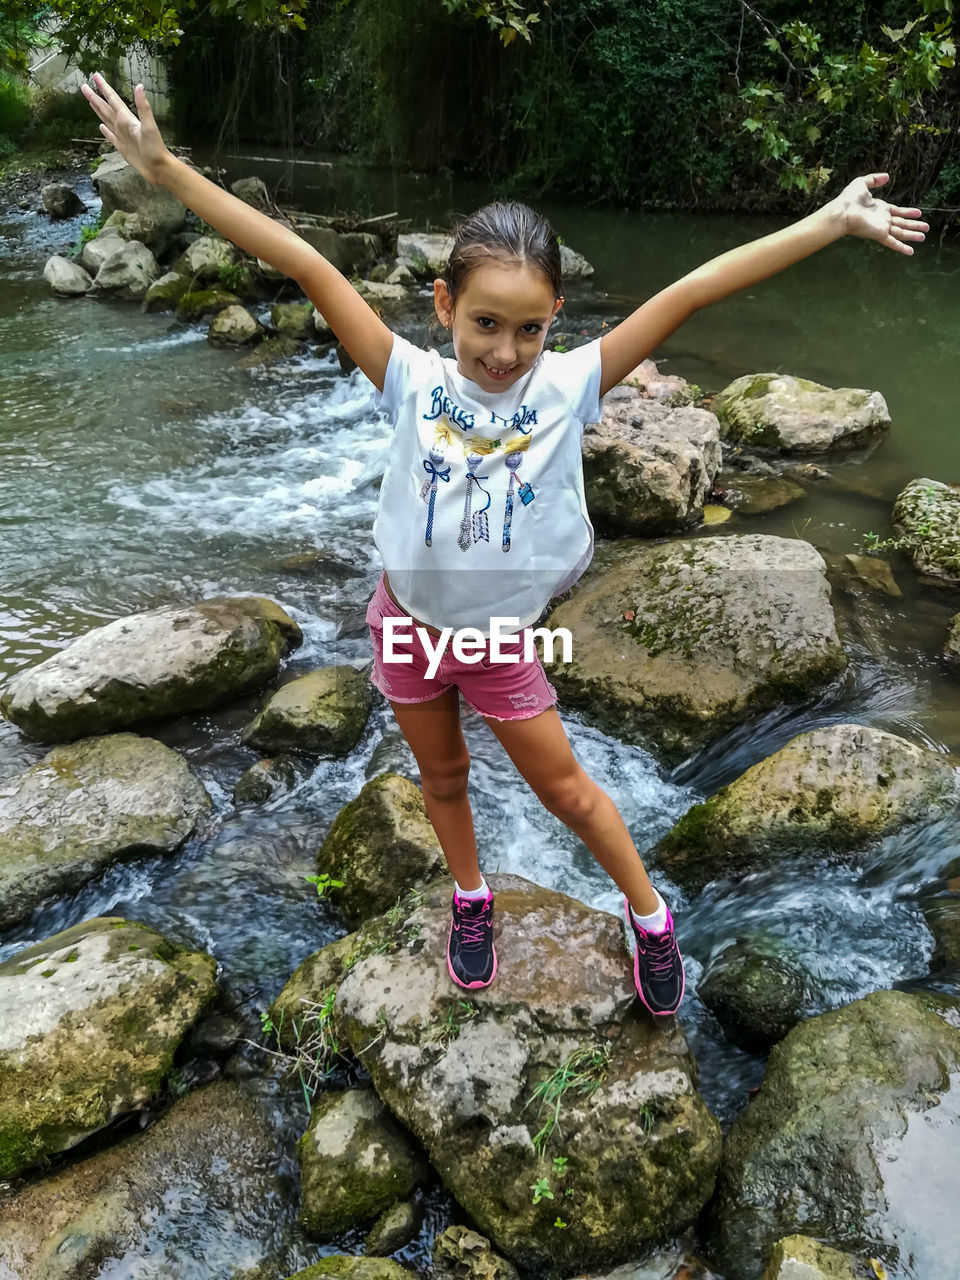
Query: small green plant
234	276
583	1072
646	1117
325	884
316	1052
559	1164
403	907
541	1190
559	1222
95	163
447	1030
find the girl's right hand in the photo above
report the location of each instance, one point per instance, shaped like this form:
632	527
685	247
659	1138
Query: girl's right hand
138	141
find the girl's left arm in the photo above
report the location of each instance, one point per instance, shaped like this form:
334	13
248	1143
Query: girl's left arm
855	211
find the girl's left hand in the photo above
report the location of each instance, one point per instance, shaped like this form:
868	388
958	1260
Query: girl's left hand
873	219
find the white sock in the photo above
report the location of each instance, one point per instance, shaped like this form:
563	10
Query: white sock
471	894
657	921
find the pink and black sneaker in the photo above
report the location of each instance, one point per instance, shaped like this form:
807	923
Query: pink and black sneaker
471	959
657	967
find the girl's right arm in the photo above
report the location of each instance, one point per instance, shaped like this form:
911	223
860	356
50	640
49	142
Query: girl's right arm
359	328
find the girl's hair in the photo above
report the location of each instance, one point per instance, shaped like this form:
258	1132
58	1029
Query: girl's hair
504	229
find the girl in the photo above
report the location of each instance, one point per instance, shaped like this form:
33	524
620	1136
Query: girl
464	540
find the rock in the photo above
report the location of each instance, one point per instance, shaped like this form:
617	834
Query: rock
103	246
343	1267
462	1254
293	319
66	277
796	416
425	253
131	226
712	514
196	304
381	845
121	187
648	468
211	1157
321	328
873	573
233	326
926	519
89	1022
167	661
856	1108
756	495
264	780
395	1228
355	1161
269	272
61	201
941	910
320	564
128	273
295	1011
347	251
86	806
165	293
272	351
756	997
381	292
324	712
203	260
722	628
800	1258
401	274
831	790
573	265
462	1074
252	191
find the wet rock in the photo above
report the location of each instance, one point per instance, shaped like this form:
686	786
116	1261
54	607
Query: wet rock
61	201
755	996
395	1228
272	351
355	1161
90	1019
382	292
831	790
401	274
204	259
873	573
424	253
951	646
669	388
196	304
293	319
167	661
165	293
380	845
678	643
214	1148
121	187
343	1267
131	226
65	277
127	273
926	519
86	806
796	416
462	1254
297	1008
321	328
324	712
648	468
103	246
856	1108
941	910
320	564
264	780
756	495
347	251
252	191
461	1074
574	265
800	1258
233	327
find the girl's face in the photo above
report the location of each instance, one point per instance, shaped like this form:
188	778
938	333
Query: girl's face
499	321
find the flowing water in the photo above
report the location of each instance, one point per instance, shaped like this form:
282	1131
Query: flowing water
139	467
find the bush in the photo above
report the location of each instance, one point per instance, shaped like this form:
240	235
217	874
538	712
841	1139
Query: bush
14	107
57	117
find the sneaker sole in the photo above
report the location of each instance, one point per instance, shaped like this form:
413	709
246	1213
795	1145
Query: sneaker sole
658	1013
469	986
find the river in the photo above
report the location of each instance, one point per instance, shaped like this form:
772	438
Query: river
139	467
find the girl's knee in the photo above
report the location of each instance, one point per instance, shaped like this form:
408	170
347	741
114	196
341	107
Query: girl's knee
445	779
572	799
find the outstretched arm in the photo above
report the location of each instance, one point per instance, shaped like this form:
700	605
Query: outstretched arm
855	211
358	327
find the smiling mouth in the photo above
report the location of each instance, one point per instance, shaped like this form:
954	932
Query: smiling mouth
498	374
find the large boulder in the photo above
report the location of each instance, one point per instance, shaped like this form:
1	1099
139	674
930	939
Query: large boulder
84	807
381	845
831	790
167	661
676	644
355	1161
103	246
217	1142
552	1079
347	251
204	259
324	712
90	1020
926	519
853	1138
65	277
647	467
425	253
127	273
573	265
796	416
121	187
61	201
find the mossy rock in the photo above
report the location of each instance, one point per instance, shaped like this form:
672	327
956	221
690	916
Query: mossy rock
926	519
322	713
272	351
343	1267
165	293
293	319
756	996
796	416
204	302
800	1258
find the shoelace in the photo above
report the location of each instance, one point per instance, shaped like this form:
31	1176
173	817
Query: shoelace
472	929
659	947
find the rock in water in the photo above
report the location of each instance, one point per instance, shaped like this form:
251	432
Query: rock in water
84	807
90	1019
796	416
322	712
926	518
165	662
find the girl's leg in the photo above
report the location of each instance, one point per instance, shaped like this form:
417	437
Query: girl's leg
436	739
541	751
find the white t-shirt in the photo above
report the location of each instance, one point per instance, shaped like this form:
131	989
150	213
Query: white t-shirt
482	511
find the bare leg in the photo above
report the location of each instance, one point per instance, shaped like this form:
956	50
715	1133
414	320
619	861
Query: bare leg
436	739
541	751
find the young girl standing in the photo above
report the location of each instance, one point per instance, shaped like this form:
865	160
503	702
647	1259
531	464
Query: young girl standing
462	535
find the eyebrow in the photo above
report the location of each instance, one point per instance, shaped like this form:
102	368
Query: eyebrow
492	314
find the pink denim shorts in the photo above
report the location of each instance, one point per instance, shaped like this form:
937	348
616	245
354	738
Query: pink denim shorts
498	690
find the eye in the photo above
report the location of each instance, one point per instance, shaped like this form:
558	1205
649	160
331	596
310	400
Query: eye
532	328
485	322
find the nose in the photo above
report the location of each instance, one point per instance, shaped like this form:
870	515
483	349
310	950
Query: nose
506	351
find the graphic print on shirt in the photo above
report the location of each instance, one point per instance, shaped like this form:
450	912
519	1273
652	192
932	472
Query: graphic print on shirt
475	525
433	465
515	450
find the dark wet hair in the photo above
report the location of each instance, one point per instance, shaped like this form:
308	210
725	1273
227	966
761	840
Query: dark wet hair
505	230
